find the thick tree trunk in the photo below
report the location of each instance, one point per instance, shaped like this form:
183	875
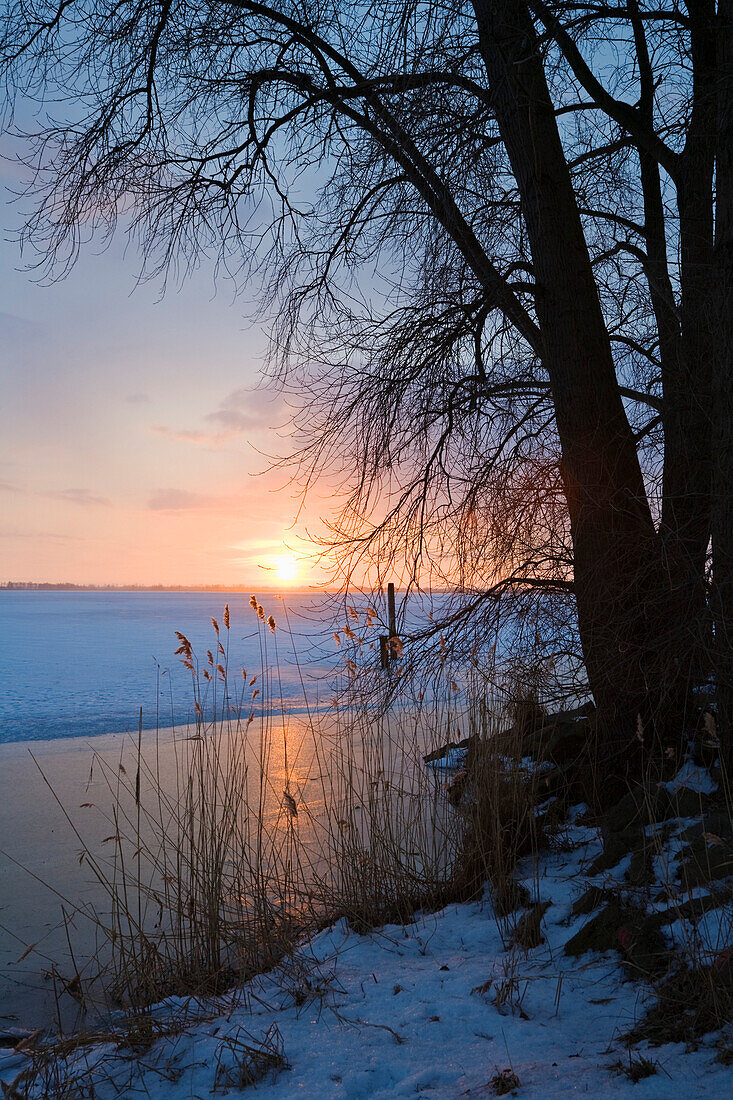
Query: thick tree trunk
686	337
687	479
686	349
723	391
687	476
621	587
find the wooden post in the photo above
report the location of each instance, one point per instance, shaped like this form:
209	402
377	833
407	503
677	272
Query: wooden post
388	650
392	611
384	650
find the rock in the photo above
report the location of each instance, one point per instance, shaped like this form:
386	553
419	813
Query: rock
713	823
690	1003
600	933
552	782
705	752
510	895
687	803
639	807
643	806
559	738
528	932
457	787
703	861
615	847
441	753
593	897
722	969
693	908
641	868
628	930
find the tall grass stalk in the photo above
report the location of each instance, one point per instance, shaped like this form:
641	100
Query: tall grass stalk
253	827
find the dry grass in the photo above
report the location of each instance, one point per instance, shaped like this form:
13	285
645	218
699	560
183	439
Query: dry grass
504	1082
262	830
636	1067
242	1060
74	1067
500	822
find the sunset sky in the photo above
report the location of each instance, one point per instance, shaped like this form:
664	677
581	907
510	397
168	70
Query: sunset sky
131	428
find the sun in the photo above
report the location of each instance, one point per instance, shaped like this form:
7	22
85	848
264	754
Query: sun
286	568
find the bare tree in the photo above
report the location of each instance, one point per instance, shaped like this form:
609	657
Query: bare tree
489	231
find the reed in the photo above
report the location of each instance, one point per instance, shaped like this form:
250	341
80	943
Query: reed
267	826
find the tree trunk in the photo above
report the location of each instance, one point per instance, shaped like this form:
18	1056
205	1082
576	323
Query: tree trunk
687	479
621	588
686	337
687	476
723	391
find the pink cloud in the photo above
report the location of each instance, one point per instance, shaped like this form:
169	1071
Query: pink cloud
241	412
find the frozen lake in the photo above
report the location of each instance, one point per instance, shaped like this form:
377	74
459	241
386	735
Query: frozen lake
75	669
78	664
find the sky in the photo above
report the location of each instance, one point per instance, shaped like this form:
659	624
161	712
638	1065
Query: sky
136	429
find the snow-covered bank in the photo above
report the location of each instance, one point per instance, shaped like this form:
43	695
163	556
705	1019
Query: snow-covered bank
439	1007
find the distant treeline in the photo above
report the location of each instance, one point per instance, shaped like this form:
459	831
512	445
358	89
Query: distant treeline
48	586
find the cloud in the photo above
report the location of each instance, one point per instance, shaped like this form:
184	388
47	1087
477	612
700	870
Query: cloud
232	421
83	497
182	500
39	536
188	435
13	325
79	496
251	545
242	411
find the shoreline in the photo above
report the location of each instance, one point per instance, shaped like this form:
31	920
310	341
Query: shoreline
76	742
40	865
42	861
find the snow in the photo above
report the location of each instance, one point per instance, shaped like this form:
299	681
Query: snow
453	758
435	1008
694	777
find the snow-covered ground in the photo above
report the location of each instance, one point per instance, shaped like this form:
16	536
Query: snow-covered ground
436	1008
